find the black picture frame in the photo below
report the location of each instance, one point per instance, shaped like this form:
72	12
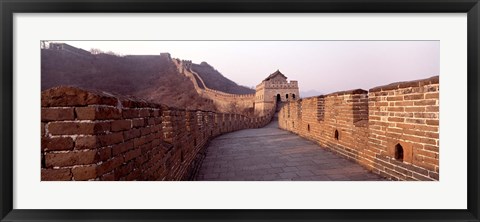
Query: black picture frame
9	7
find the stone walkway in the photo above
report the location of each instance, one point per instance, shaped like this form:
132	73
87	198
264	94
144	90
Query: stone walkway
270	153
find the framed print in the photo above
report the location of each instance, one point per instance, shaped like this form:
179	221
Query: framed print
211	110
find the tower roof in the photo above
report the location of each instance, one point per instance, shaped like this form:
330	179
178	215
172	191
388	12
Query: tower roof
275	74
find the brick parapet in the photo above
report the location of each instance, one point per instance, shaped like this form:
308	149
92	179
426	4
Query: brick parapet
93	135
372	127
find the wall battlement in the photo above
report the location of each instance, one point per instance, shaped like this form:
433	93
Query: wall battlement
391	130
224	101
70	49
93	135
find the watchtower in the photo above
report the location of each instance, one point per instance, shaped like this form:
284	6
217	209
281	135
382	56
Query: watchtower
274	88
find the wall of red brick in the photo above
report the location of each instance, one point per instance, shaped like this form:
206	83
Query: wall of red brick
90	135
372	126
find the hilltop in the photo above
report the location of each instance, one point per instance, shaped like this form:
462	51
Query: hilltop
215	80
151	77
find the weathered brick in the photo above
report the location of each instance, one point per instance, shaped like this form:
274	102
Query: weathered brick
108	177
396	119
139	122
77	128
122	147
145	130
124	170
110	139
432	109
414	109
43	125
130	113
425	103
98	113
109	165
55	114
86	142
57	143
427	128
132	133
144	113
426	115
139	141
104	153
431	96
151	121
132	154
433	175
433	122
421	177
56	174
414	97
71	158
63	96
415	121
395	109
431	148
120	125
84	172
395	98
404	103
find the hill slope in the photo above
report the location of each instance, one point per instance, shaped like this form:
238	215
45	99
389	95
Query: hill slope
215	80
153	78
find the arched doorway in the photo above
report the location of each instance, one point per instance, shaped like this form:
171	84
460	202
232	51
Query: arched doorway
399	152
279	98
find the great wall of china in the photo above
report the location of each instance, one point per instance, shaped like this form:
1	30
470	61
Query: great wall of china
223	101
391	130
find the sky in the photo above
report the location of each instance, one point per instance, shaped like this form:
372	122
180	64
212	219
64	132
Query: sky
318	66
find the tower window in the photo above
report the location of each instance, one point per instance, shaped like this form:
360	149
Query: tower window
286	96
308	127
336	134
293	96
399	152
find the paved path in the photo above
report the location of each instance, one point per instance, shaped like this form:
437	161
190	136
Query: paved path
270	153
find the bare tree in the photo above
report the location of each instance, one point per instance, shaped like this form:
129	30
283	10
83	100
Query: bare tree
44	44
95	51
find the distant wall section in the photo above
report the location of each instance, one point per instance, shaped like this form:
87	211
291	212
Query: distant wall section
225	102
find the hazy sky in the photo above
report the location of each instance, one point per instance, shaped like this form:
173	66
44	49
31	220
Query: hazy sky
323	66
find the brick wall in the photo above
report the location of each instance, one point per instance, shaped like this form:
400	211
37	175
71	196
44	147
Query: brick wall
91	135
391	130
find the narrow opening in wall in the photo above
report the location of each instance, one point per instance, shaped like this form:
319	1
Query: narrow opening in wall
43	162
399	152
293	123
278	98
336	134
293	96
308	127
286	96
